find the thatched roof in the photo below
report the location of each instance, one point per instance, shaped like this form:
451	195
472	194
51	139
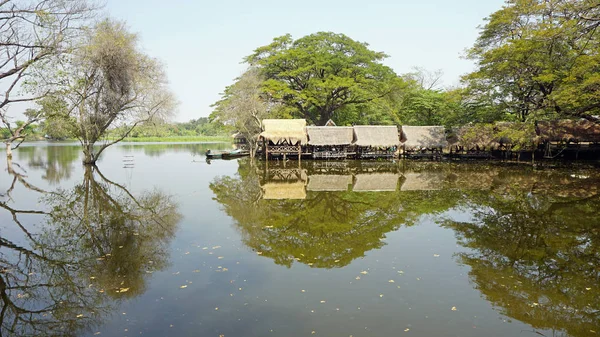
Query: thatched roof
424	137
424	181
238	135
568	130
329	135
376	135
284	190
376	182
471	136
290	130
326	182
330	123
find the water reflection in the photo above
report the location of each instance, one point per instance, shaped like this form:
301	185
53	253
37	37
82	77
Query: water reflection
71	262
323	217
536	255
55	162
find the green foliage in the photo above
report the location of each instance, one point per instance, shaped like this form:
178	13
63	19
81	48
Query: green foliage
539	59
324	76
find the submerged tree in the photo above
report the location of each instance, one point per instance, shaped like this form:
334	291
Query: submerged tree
107	82
31	33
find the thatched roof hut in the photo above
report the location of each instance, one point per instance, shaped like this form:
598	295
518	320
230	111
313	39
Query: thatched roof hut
284	190
291	131
327	182
482	136
376	135
424	137
376	182
329	135
568	130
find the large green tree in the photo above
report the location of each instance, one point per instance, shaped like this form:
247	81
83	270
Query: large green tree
539	59
324	75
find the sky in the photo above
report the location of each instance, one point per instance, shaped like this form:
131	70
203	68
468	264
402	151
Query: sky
202	43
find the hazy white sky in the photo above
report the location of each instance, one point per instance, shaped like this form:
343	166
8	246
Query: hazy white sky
203	42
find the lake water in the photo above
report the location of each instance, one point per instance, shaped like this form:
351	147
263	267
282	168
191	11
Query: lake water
157	241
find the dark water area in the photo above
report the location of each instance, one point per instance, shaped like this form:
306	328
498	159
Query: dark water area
158	241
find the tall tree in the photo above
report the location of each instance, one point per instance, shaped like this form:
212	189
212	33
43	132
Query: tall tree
244	105
540	59
31	32
322	75
108	82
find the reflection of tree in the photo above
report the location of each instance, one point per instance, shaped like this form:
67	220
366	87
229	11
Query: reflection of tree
55	161
536	258
96	245
325	230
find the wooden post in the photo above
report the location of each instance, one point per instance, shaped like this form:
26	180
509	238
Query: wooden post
299	151
266	150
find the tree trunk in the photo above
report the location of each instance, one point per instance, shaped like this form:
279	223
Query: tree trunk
8	150
88	155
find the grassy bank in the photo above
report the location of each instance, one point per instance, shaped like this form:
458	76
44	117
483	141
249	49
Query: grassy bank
179	139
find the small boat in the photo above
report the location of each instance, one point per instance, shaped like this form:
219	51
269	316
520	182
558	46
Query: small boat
214	154
235	154
226	154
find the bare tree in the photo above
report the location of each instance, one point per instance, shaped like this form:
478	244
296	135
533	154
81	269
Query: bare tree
108	84
244	105
31	32
428	80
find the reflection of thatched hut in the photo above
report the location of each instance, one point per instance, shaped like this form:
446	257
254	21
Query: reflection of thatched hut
424	140
284	190
424	181
376	182
329	142
329	182
283	136
376	141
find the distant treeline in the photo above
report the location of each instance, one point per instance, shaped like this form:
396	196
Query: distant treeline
200	127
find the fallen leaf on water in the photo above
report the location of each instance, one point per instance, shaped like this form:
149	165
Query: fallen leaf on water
358	277
453	309
391	281
225	269
216	247
364	272
183	286
323	301
303	290
336	261
177	273
204	248
122	290
196	271
220	257
313	332
96	333
588	288
80	315
259	253
380	295
187	253
217	308
406	330
436	255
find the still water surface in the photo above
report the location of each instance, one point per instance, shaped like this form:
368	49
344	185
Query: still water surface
156	241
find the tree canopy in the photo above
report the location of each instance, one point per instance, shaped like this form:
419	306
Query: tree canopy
539	59
323	76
